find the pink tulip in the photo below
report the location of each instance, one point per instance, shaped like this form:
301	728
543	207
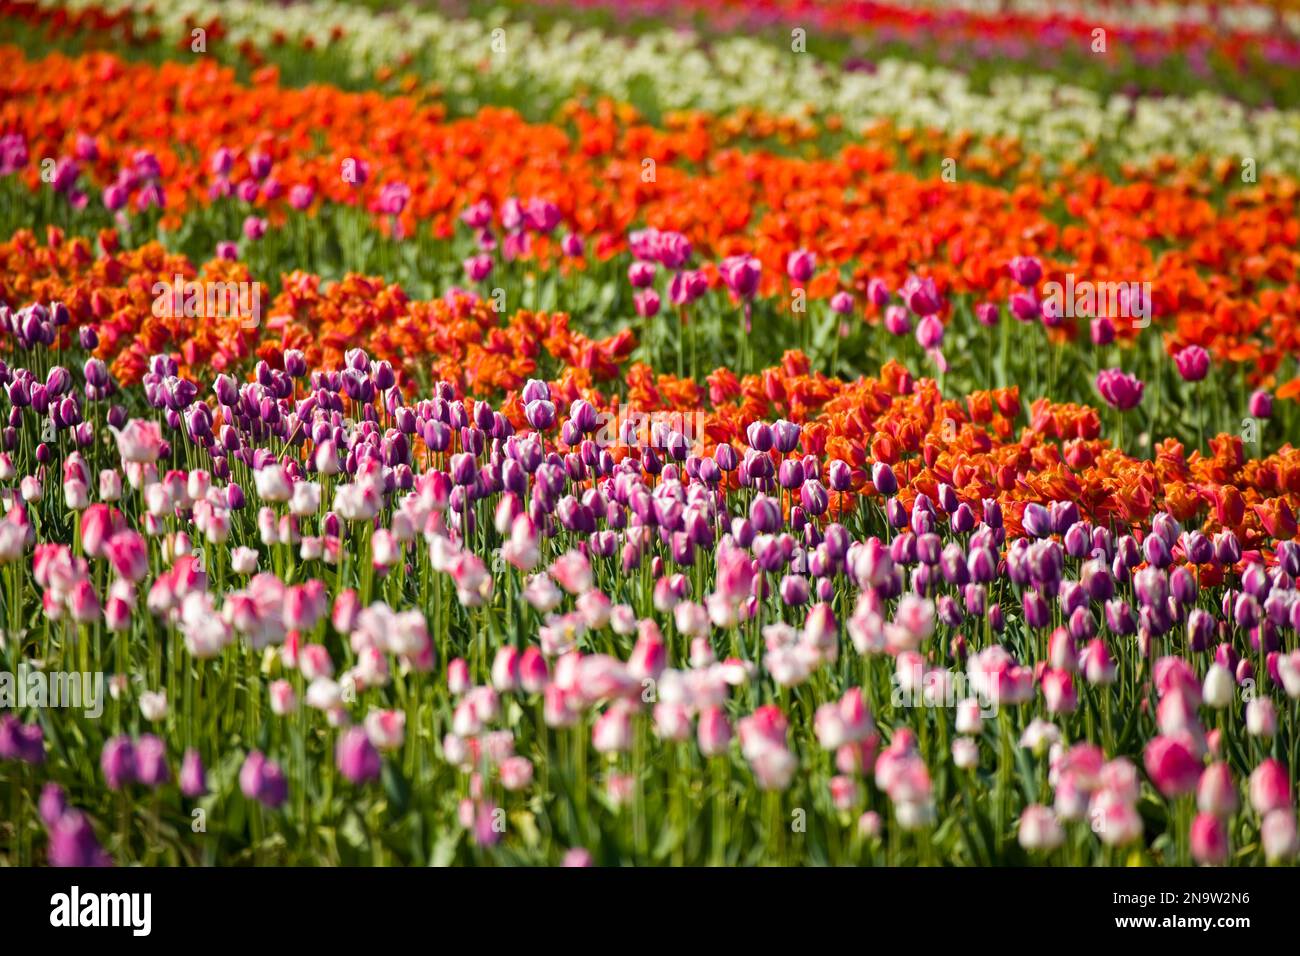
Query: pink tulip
800	265
1120	390
1171	766
1270	789
140	441
1209	840
713	732
1193	363
741	274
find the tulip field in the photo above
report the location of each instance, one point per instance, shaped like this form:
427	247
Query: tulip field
649	432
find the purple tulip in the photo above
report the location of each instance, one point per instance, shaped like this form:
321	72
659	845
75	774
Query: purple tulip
878	292
584	417
741	274
53	804
759	436
1119	618
986	314
641	274
254	228
478	268
1036	520
785	436
1193	363
883	480
540	414
1037	613
790	474
262	780
921	296
687	286
1120	390
1025	306
814	497
572	246
1227	549
1025	270
19	741
73	842
1200	629
117	760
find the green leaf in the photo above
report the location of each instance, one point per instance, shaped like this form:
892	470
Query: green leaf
444	851
396	786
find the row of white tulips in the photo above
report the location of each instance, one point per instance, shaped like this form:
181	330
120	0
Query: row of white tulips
1244	17
1054	120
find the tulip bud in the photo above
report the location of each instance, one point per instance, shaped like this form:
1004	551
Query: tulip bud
1209	839
1216	793
1219	687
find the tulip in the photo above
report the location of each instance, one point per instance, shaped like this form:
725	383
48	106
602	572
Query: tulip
897	321
150	761
1278	834
1261	718
965	753
117	760
140	441
505	670
1193	363
1026	270
1026	307
714	732
612	731
1039	830
1260	404
1219	687
929	332
1270	789
1216	793
53	804
356	757
921	296
740	274
153	705
1171	766
800	265
516	773
19	741
73	842
1120	390
262	780
646	303
1209	840
1114	819
283	699
1058	691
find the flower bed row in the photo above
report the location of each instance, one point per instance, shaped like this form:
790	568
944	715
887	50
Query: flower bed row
668	70
210	165
347	616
